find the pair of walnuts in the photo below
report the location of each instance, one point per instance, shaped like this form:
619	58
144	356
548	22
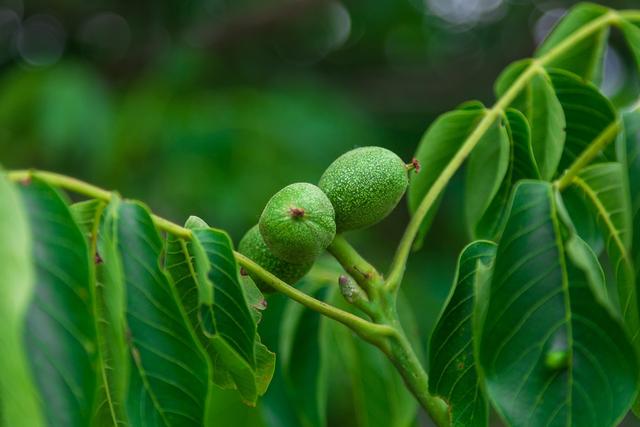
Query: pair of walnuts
357	190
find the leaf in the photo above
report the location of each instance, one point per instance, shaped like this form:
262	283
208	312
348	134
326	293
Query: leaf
438	146
589	115
605	190
631	33
452	371
110	312
206	277
550	350
302	351
631	148
84	214
20	404
540	105
585	58
60	330
483	181
169	372
521	166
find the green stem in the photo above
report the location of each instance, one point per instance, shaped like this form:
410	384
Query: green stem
416	379
588	155
370	331
404	247
356	323
364	273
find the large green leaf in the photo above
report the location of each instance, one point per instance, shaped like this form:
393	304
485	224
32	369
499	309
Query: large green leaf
551	350
605	190
302	350
19	399
438	146
585	58
589	116
540	105
60	331
169	377
521	166
486	169
206	277
452	368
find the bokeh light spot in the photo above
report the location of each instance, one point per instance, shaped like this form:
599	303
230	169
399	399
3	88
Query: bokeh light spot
40	41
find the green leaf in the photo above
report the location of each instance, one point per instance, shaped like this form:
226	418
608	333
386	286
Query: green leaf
84	214
20	404
438	146
632	35
303	356
589	115
110	312
169	382
605	190
550	349
521	166
630	148
206	277
540	105
60	331
484	182
380	397
452	370
585	58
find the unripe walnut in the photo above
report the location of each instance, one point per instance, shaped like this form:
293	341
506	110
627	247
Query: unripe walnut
298	223
364	186
253	246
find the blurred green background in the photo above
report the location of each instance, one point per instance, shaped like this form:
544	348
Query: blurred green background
208	107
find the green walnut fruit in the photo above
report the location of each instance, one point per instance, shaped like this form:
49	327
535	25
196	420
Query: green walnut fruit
253	246
298	223
364	186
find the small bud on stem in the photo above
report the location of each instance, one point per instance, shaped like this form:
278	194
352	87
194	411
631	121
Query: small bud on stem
351	291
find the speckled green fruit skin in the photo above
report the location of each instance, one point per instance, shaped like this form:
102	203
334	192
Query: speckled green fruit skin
364	186
253	246
301	238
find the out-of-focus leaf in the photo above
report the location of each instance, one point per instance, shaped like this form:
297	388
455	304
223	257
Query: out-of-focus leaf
452	368
169	378
605	190
19	400
302	352
589	115
585	58
540	105
550	350
629	149
632	35
60	331
438	146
